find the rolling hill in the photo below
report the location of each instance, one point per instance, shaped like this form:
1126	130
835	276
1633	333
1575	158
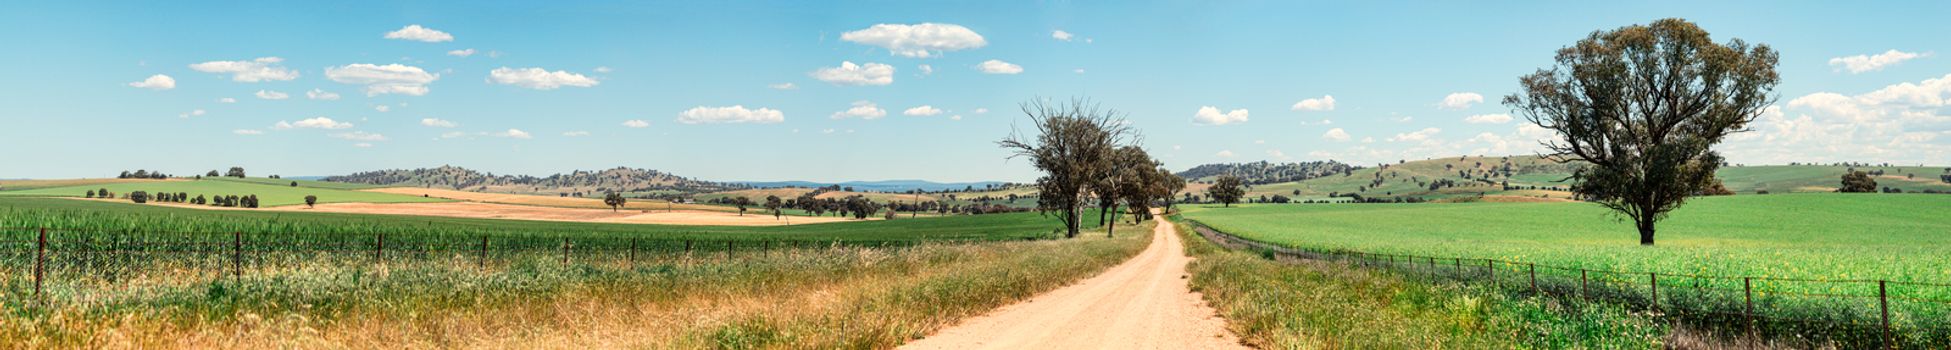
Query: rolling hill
1531	176
583	182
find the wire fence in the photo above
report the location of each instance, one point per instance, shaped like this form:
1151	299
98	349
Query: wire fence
36	261
1848	313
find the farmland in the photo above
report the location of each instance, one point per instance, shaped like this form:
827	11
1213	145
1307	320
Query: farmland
270	193
1413	179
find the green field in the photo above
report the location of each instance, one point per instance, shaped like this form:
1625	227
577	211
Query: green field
1411	179
301	183
270	192
1903	237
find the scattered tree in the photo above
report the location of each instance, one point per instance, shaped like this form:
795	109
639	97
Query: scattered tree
311	200
1858	182
773	203
139	197
1226	190
1643	106
1072	142
237	172
614	200
742	203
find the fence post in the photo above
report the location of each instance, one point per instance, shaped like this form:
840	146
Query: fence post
1459	268
379	246
728	250
1491	265
1748	290
633	252
1654	280
236	257
687	248
1883	301
565	251
1581	285
482	263
40	261
1532	269
765	249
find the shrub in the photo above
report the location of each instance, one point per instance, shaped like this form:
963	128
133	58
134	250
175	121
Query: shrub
139	197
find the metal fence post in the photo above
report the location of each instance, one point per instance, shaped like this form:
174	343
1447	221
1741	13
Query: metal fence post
1883	301
40	261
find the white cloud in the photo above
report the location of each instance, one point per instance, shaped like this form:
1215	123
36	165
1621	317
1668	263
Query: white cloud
1897	123
1078	71
733	114
313	123
1868	63
999	67
422	34
1060	35
512	133
603	69
387	79
1488	119
438	123
452	134
863	110
1460	100
1210	115
247	132
156	82
917	40
192	113
1260	142
926	69
922	111
383	108
636	123
784	86
1336	135
1325	103
271	95
575	133
1416	136
363	145
252	71
955	117
226	100
360	136
538	78
849	73
318	94
1224	154
981	111
461	52
1277	154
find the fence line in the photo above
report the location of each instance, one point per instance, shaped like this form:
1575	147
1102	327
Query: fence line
1744	306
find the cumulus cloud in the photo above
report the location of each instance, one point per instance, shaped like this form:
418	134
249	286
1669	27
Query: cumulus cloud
1902	123
1871	63
252	71
461	52
922	111
981	111
1488	119
1336	135
1323	104
538	78
1226	153
438	123
192	113
925	69
636	123
226	100
733	114
1061	35
271	95
863	110
917	40
1210	115
318	94
360	136
156	82
1416	136
1460	100
849	73
999	67
313	123
384	79
247	132
512	133
421	34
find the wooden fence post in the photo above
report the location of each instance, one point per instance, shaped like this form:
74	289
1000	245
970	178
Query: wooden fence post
1459	268
565	251
379	247
236	257
728	250
1532	269
40	262
1654	285
765	249
1491	265
1883	301
1748	290
633	252
1581	285
687	248
482	262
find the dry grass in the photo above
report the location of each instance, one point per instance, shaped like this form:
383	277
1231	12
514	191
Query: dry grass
545	201
525	212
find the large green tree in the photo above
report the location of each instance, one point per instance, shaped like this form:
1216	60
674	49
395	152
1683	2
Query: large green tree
1071	144
1226	190
1643	105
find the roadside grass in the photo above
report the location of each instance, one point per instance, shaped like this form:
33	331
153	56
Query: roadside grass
828	297
269	195
1325	305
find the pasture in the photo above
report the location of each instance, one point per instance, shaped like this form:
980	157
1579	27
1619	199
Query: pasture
268	194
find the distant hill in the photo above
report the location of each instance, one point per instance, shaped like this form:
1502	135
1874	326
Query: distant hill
1262	172
880	186
1531	176
584	182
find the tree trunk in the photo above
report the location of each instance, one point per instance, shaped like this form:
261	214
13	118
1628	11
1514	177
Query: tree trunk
1109	225
1646	232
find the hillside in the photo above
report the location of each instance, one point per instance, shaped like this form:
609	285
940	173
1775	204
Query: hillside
1263	172
882	186
576	183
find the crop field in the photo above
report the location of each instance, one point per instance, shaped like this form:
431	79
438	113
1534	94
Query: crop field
1805	252
301	183
269	195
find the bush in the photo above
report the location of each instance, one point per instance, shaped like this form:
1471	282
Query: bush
139	197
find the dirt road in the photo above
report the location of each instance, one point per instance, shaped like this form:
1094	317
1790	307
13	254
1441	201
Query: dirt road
1143	303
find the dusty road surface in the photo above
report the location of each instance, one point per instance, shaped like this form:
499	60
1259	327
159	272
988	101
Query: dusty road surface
1143	303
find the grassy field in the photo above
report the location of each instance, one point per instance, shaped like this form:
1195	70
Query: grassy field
1323	305
268	194
301	183
13	185
1411	179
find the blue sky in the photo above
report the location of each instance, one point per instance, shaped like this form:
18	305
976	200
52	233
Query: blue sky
79	100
